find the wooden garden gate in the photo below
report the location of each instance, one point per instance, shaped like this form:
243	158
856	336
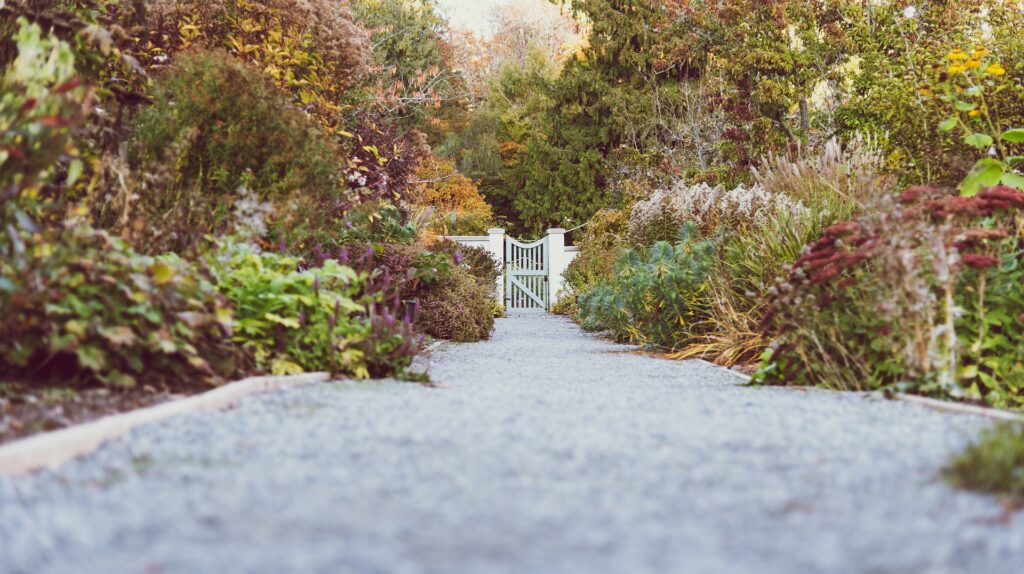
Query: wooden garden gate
526	275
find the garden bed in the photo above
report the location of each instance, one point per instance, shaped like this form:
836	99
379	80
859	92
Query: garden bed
25	411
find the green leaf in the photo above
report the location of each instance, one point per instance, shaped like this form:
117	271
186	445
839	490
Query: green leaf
964	106
75	328
979	140
91	357
275	318
1014	180
985	173
117	379
1014	135
947	125
74	172
118	336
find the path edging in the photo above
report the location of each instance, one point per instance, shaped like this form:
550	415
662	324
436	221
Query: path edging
52	449
934	404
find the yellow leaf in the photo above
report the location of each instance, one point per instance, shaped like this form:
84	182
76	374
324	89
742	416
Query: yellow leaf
162	272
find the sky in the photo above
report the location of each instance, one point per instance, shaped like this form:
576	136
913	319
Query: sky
471	14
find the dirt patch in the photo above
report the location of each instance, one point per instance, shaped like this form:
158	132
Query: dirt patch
24	411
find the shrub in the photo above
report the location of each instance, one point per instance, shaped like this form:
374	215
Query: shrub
219	128
658	298
994	464
454	200
453	302
312	48
81	306
41	103
477	260
601	242
458	309
658	218
320	319
925	296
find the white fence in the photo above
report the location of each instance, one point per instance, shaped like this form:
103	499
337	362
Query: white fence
558	257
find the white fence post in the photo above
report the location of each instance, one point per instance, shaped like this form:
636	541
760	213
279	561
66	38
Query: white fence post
557	263
496	235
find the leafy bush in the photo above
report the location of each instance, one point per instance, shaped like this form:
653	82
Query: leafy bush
994	464
460	308
601	242
217	129
453	302
81	306
454	200
659	298
905	83
477	260
320	319
314	49
40	104
925	296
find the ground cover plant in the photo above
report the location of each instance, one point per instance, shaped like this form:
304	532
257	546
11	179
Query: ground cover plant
994	464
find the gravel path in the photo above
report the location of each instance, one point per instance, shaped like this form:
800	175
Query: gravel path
545	450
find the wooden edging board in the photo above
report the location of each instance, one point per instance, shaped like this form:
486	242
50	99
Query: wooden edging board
52	449
934	404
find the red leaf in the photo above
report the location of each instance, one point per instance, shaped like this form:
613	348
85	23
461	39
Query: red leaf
15	152
52	122
67	86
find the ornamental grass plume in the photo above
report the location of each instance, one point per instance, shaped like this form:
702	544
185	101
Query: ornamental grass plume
838	178
660	216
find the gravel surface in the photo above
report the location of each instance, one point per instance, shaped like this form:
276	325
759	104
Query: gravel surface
544	450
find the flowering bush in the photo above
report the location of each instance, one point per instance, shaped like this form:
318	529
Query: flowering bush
923	295
659	217
971	78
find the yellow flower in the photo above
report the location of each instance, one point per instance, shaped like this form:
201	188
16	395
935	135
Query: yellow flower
973	113
956	68
995	70
957	55
973	63
980	52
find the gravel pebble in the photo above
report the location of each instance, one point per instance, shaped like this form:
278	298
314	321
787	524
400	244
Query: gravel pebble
543	450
